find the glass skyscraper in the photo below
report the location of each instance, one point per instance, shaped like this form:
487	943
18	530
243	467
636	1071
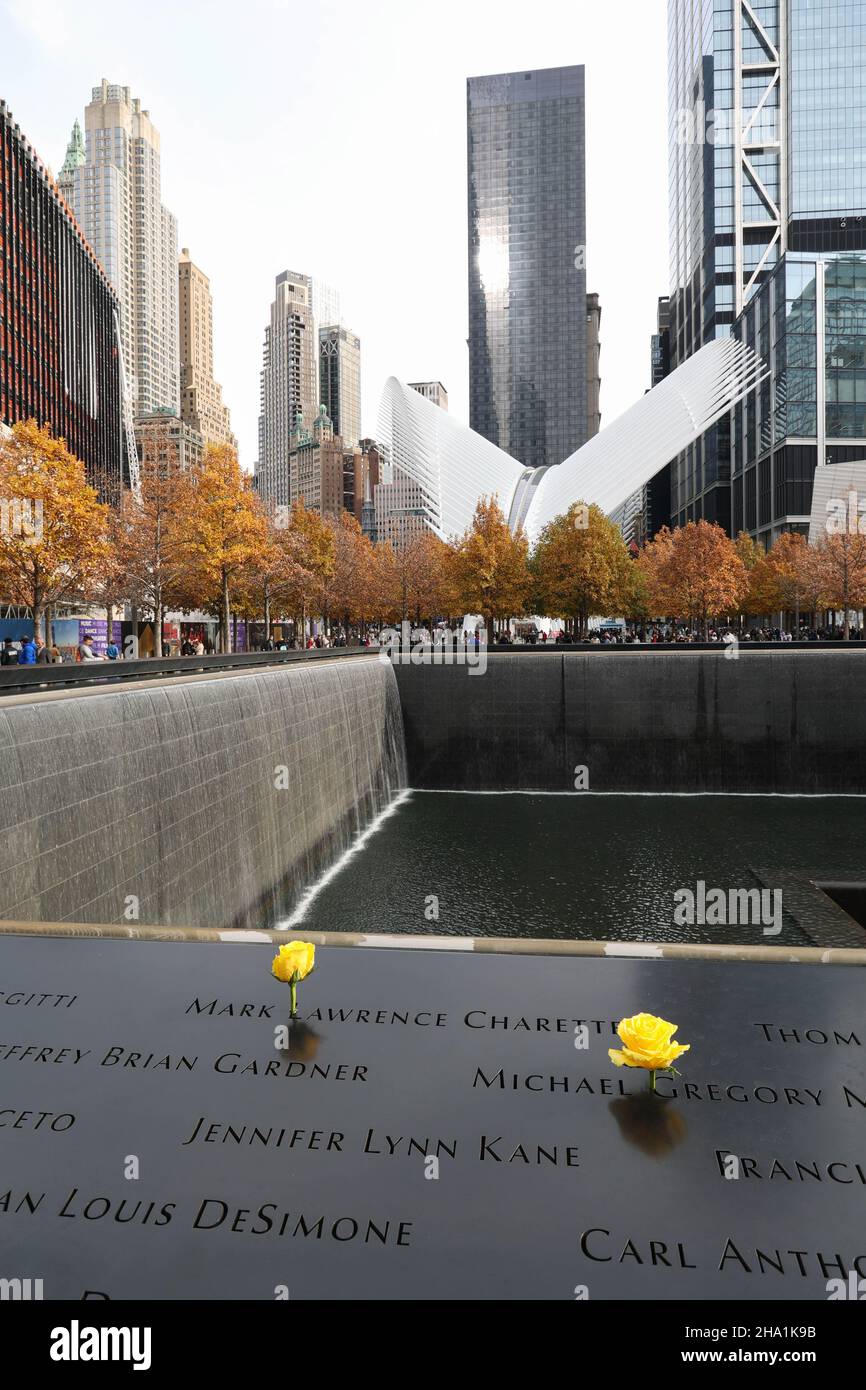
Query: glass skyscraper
527	272
767	217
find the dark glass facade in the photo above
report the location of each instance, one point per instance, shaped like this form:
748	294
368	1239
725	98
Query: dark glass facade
827	125
59	362
527	275
767	211
808	322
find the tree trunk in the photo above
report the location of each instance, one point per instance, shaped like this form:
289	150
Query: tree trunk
157	623
225	635
267	612
38	611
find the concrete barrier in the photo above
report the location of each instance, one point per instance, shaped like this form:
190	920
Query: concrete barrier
675	721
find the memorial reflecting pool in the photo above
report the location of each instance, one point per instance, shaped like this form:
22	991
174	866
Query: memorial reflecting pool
591	867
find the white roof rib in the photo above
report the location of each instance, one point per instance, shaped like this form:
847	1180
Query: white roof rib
453	467
621	458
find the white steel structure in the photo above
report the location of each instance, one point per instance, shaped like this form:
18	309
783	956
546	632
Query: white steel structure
760	172
441	469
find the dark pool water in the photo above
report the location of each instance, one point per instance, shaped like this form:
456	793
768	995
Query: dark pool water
592	867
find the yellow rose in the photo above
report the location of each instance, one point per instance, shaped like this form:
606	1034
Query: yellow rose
647	1042
295	959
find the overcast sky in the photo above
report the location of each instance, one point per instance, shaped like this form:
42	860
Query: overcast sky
330	137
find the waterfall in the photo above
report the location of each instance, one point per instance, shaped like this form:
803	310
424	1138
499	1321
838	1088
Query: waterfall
199	801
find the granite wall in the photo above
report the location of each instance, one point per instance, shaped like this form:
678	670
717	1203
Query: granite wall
209	800
770	721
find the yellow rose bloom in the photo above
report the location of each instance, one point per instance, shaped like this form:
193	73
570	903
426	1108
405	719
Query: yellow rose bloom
648	1043
297	958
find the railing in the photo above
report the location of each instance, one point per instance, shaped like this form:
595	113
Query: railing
22	680
19	680
720	647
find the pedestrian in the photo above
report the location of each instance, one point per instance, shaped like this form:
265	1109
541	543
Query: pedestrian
112	651
199	648
27	654
43	656
55	655
9	654
85	649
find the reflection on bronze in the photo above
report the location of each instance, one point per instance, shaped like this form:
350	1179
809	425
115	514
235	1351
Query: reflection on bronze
651	1123
303	1043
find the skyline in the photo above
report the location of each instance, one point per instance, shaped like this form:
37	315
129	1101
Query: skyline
372	201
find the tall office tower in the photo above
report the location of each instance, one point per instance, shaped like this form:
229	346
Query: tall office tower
593	365
59	359
289	382
201	399
117	200
324	301
340	381
768	215
527	276
432	391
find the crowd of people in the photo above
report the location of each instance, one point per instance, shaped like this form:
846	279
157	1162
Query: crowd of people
33	651
29	651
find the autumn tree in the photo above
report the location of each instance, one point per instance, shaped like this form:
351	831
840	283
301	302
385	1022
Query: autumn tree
386	586
699	573
653	565
53	537
225	526
150	562
761	594
487	569
840	574
427	591
347	588
792	564
261	580
581	566
636	597
306	564
414	578
750	551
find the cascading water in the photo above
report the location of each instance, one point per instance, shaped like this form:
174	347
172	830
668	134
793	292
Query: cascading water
197	802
